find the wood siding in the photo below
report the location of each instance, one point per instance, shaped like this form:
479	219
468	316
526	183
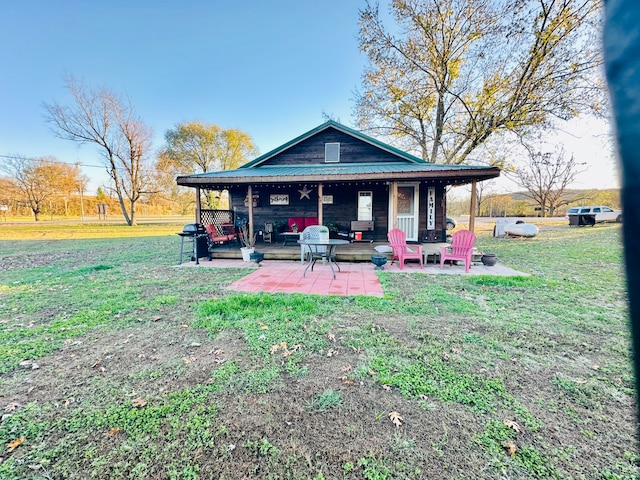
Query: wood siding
341	212
352	150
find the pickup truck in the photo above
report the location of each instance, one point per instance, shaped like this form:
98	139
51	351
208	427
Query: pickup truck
590	215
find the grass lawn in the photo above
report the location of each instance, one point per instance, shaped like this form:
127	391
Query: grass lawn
116	363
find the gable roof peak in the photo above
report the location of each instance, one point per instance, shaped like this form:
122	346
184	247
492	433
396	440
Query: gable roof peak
342	128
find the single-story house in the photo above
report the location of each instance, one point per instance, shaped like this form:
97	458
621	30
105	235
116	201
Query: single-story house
337	175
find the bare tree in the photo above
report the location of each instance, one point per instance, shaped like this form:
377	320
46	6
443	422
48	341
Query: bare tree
64	179
102	118
546	176
452	74
165	173
35	180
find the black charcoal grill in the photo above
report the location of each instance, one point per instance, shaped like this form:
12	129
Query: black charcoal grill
194	242
194	229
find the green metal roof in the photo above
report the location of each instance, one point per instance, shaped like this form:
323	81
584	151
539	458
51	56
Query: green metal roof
274	171
341	128
340	172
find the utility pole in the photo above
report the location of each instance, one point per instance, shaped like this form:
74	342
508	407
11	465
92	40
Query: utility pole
81	204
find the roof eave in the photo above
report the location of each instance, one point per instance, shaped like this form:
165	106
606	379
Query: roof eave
467	175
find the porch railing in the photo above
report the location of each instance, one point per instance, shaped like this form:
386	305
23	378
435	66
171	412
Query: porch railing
407	225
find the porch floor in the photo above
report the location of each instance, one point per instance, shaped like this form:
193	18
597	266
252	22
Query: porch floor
352	252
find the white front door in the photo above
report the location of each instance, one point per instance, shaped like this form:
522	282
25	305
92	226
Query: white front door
408	201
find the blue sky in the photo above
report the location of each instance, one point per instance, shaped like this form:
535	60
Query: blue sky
267	67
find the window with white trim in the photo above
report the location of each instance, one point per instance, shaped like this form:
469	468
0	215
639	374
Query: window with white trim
332	152
365	206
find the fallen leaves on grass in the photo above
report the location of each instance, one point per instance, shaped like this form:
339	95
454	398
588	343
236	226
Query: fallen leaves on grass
512	424
331	337
396	419
11	446
286	352
113	431
510	447
10	407
155	318
97	363
139	402
386	387
332	352
346	380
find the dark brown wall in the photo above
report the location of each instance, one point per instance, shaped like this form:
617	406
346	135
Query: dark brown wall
341	212
352	150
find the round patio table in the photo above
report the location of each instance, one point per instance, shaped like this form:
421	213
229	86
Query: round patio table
313	253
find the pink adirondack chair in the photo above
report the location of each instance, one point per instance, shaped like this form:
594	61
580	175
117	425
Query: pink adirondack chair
461	248
401	251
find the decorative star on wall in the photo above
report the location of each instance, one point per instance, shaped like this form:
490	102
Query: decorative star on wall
304	193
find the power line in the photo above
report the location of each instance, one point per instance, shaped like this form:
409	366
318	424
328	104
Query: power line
60	162
32	159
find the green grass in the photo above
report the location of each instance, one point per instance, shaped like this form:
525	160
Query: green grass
294	386
64	230
324	401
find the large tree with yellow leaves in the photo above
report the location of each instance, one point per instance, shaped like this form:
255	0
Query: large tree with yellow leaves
445	76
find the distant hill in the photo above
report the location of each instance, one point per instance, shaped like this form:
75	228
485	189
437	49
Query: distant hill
521	204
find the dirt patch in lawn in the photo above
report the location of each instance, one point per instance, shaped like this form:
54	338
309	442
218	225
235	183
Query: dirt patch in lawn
147	360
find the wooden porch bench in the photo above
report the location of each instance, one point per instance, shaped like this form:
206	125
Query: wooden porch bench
362	227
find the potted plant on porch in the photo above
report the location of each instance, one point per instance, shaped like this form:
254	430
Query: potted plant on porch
247	244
